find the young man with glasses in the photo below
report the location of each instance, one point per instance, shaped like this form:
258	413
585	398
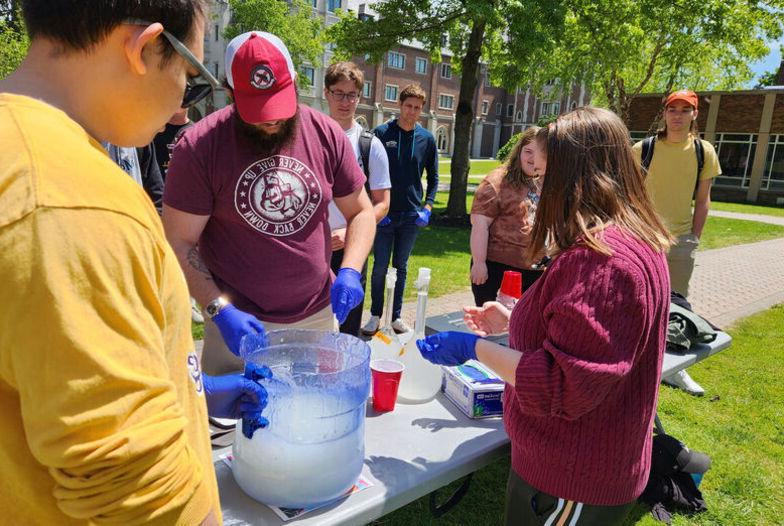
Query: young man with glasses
245	207
343	88
680	170
103	401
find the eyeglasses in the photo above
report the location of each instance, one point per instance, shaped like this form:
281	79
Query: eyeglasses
194	91
340	96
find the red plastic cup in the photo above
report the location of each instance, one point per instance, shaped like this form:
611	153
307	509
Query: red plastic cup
512	284
386	379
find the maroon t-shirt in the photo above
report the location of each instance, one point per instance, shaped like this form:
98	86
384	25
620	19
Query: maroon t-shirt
267	242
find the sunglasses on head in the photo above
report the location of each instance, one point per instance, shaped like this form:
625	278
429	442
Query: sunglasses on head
194	91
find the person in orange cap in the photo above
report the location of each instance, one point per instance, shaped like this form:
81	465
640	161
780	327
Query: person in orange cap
681	168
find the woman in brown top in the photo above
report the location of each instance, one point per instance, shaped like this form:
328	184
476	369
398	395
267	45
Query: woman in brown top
501	221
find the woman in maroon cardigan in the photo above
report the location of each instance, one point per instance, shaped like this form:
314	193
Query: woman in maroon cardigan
587	339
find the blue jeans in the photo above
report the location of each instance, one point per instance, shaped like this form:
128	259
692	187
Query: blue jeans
400	235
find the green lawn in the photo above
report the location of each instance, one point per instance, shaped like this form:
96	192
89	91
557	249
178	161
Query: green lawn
739	424
722	232
748	208
477	167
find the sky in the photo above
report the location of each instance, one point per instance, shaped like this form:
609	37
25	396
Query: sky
771	62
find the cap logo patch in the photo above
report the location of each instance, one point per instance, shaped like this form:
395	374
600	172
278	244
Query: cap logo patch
262	77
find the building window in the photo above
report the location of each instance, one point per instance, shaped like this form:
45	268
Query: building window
396	60
215	69
217	32
446	102
441	139
736	154
444	40
487	80
310	74
366	89
509	110
550	108
637	136
519	116
498	108
773	176
332	5
446	71
390	92
420	65
314	3
485	107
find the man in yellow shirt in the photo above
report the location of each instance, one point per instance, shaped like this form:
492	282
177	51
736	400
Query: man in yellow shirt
102	400
675	179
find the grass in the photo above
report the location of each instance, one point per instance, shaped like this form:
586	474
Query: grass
744	208
739	424
722	232
478	167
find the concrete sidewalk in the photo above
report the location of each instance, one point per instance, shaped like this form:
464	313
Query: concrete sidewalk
728	283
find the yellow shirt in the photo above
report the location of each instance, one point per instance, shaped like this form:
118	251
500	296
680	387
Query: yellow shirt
102	413
672	177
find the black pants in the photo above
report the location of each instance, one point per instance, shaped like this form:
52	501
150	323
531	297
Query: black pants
527	506
488	290
354	319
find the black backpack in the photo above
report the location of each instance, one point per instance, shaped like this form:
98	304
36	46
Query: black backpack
646	156
365	141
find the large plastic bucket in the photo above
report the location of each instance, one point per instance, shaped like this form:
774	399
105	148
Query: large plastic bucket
313	450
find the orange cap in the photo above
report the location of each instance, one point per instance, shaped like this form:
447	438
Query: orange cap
685	95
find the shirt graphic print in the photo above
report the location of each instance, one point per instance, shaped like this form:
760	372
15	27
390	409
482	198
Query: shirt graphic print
278	195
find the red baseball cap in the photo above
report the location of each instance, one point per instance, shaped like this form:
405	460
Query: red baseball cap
260	71
684	95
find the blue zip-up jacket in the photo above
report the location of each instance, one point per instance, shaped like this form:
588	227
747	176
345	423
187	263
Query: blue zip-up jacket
410	154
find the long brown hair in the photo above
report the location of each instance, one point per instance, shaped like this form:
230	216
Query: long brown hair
514	168
591	181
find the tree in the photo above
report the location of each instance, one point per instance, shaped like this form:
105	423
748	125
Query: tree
291	21
511	36
13	38
626	47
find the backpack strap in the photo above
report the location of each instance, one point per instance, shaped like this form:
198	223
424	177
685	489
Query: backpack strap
365	141
700	152
646	155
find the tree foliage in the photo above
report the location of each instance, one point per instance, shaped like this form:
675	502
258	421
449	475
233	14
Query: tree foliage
625	47
510	36
503	151
293	22
13	38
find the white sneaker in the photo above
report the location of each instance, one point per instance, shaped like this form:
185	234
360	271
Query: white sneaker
682	380
400	327
196	312
371	327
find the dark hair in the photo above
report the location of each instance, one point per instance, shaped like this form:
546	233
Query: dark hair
592	180
341	71
514	169
80	24
413	90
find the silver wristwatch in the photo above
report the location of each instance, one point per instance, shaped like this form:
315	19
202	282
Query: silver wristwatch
215	306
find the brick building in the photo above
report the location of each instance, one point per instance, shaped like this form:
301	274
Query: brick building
499	113
746	128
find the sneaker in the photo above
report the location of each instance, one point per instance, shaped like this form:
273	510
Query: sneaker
400	327
371	327
196	312
682	380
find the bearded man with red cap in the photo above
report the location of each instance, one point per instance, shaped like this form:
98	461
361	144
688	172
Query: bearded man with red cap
680	170
245	207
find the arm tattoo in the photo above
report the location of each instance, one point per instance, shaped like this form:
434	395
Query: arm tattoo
195	261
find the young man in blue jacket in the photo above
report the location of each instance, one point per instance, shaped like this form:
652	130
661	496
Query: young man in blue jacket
411	150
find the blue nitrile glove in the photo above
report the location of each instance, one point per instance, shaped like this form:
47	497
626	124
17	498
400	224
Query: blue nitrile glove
423	217
386	221
346	293
448	348
232	395
234	324
252	421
